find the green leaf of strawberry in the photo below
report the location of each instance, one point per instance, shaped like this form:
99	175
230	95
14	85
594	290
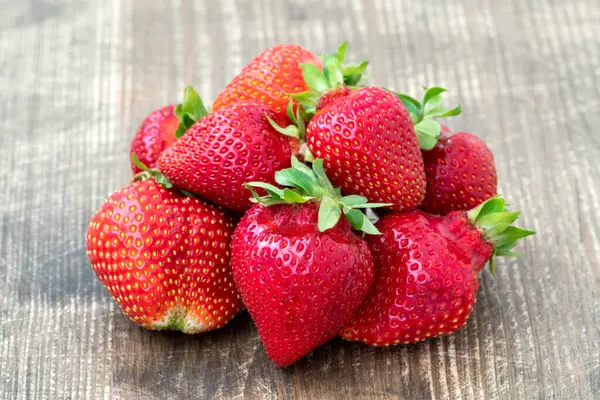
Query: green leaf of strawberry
334	75
428	133
150	173
190	111
422	114
329	213
494	222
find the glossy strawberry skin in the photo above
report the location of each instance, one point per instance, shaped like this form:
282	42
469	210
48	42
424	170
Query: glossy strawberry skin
165	258
368	143
224	150
155	134
268	77
425	278
461	173
299	285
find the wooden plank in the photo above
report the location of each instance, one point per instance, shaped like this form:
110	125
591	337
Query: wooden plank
77	78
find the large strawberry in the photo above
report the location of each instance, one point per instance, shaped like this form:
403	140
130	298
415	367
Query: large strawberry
161	128
300	269
459	167
164	257
225	149
426	272
365	136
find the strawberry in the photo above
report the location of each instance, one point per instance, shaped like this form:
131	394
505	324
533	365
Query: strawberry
426	272
460	171
300	269
459	167
268	78
276	73
160	129
155	134
225	149
365	137
164	257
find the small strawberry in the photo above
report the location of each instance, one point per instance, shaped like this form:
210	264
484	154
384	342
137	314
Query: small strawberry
164	257
300	269
461	173
155	134
365	137
459	167
426	272
225	149
159	130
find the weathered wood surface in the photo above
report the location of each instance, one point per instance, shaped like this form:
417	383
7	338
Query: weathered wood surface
76	79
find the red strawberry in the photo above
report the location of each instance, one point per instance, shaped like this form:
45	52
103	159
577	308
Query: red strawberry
425	272
276	73
225	149
365	136
460	173
301	270
459	167
165	258
161	128
155	134
268	78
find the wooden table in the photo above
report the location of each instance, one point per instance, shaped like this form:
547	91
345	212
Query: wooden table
77	78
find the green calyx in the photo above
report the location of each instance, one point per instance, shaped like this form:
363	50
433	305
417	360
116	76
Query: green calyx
305	184
423	113
494	222
148	173
190	111
297	129
352	74
333	75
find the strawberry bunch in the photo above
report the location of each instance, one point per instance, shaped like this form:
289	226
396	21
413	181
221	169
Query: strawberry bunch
298	148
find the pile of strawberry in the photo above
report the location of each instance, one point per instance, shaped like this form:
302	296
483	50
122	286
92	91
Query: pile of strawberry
300	147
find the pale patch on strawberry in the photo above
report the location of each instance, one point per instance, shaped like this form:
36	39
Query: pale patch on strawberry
179	319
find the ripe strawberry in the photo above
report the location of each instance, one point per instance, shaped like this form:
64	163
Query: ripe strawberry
268	78
164	257
160	129
459	167
276	73
225	149
460	173
301	270
426	272
155	134
365	136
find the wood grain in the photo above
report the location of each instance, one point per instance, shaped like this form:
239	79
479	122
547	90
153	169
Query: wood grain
78	76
